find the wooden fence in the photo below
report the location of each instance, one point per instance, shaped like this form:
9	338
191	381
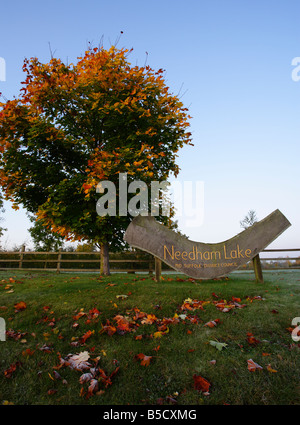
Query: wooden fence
147	264
58	260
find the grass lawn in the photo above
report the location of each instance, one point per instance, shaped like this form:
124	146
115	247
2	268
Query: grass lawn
145	342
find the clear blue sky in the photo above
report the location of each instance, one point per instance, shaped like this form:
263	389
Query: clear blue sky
232	61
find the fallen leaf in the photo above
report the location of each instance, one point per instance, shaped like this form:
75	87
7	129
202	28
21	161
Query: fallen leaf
27	352
8	372
212	323
219	345
77	361
269	368
252	366
86	377
87	335
251	339
201	384
145	360
20	306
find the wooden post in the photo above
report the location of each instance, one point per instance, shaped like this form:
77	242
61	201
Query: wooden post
157	269
150	267
257	269
58	261
21	256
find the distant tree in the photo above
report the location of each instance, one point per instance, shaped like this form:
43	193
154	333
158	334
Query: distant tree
249	220
86	247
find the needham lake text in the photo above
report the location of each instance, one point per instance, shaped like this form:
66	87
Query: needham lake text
214	256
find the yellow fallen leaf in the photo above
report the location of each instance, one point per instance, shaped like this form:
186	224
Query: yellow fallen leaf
159	334
270	369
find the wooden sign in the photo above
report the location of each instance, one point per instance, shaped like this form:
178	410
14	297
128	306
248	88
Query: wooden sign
204	260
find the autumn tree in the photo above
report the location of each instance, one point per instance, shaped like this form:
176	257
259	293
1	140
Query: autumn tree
42	237
74	125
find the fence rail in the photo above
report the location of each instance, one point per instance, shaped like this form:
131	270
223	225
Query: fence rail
149	262
59	261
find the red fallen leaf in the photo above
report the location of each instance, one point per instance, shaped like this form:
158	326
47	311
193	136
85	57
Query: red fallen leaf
212	323
265	354
139	314
201	384
87	335
156	348
215	295
274	311
93	387
20	306
108	328
46	308
80	314
15	334
28	352
252	366
51	392
8	372
145	360
138	337
238	300
191	350
114	372
93	314
189	332
251	339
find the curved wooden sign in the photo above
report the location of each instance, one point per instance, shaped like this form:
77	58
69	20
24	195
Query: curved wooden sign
204	260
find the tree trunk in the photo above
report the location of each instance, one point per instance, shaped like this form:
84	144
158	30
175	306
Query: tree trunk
104	265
